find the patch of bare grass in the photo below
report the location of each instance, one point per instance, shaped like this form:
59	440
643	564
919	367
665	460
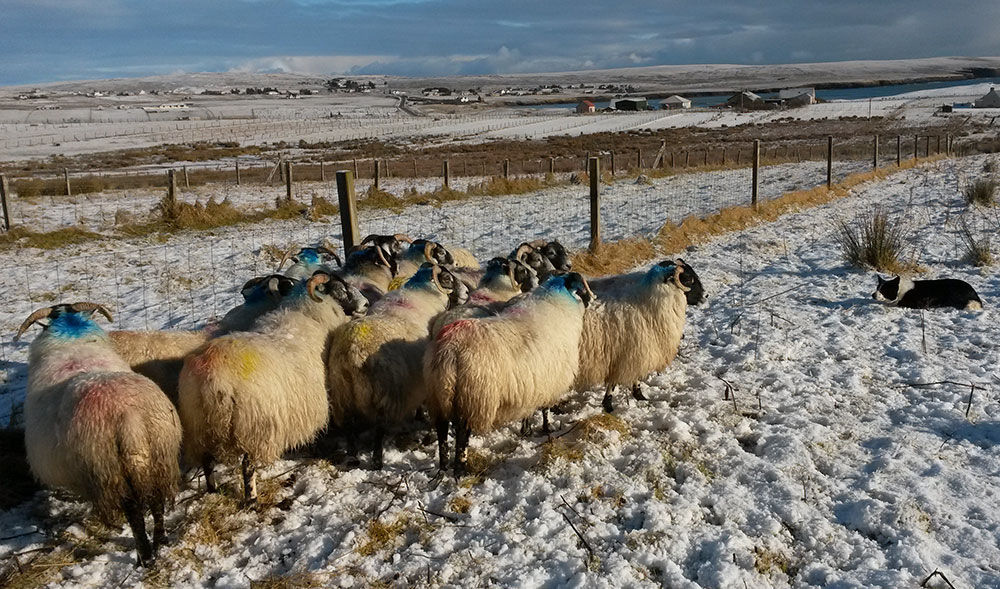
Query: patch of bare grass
982	192
873	239
977	249
292	581
381	535
19	236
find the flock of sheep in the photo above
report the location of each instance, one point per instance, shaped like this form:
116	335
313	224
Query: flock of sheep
401	326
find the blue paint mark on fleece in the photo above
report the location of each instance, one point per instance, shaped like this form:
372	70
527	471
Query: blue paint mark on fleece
423	277
72	325
309	256
659	273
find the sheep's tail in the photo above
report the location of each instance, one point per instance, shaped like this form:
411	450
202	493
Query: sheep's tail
148	456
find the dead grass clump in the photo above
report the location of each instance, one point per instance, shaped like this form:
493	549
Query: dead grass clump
213	521
498	185
558	449
766	561
382	535
376	198
291	581
594	428
615	257
981	191
182	215
320	207
977	250
37	572
460	504
872	240
19	236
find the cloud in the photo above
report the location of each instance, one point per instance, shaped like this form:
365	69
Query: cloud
310	64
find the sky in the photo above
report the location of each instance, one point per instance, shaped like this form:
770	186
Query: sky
53	40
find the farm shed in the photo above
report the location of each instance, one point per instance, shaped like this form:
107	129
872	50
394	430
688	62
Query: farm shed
676	101
797	96
745	99
990	100
586	107
630	104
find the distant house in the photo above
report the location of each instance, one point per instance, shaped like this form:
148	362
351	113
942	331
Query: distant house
990	100
745	99
630	104
797	96
676	101
586	107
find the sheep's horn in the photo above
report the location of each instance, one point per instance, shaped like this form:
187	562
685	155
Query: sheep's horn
537	243
403	237
273	288
92	307
31	320
316	280
522	249
253	282
429	251
678	270
284	257
329	248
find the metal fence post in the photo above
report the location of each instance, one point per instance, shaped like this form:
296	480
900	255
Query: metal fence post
348	209
756	174
595	203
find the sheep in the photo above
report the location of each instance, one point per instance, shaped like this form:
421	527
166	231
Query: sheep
504	279
634	330
459	260
375	362
371	270
481	373
308	260
252	395
97	429
159	355
545	257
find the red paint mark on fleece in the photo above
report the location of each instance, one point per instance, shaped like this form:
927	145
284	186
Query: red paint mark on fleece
481	297
449	330
101	400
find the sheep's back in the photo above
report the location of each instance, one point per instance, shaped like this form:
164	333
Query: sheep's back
104	436
157	355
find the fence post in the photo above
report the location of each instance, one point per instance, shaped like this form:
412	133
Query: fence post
447	174
829	162
552	165
322	172
414	167
947	144
756	173
288	181
171	188
348	209
187	183
4	191
506	168
355	168
937	149
594	169
377	176
916	144
237	173
638	158
927	146
69	192
899	150
612	162
875	154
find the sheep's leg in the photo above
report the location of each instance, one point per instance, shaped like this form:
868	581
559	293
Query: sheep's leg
249	480
609	397
525	427
351	439
159	530
378	440
545	421
207	465
136	521
442	433
637	393
461	446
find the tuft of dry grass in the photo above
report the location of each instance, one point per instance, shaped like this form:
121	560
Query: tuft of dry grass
981	191
321	207
460	504
558	449
977	250
498	185
19	236
872	240
376	198
614	257
381	535
292	581
767	561
594	428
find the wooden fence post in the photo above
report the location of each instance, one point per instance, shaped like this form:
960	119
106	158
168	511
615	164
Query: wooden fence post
829	162
69	191
594	169
288	181
937	149
355	168
4	204
756	173
552	165
171	188
348	209
506	168
875	154
377	173
638	158
916	143
612	162
237	173
447	174
927	146
322	172
187	182
899	151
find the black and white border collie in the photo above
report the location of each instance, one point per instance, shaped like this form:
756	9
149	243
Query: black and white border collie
927	294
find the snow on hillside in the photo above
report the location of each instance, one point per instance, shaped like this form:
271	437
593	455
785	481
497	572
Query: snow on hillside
829	468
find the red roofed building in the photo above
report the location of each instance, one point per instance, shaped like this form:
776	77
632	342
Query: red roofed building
585	107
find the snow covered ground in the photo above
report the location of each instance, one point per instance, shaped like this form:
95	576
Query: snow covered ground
828	468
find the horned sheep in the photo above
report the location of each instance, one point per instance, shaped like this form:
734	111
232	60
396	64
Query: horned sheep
97	429
252	395
481	373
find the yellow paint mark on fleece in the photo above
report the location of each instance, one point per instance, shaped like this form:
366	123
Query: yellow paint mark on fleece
245	360
398	282
360	331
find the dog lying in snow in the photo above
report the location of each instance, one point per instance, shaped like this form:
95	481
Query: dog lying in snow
927	294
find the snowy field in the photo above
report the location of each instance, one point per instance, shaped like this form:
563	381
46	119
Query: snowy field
34	134
828	468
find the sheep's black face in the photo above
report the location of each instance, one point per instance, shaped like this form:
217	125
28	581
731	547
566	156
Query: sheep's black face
441	256
349	298
273	287
557	256
576	284
524	275
690	280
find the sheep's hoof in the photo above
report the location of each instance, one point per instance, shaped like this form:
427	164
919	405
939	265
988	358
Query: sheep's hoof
608	403
637	393
352	462
525	428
